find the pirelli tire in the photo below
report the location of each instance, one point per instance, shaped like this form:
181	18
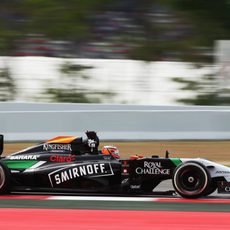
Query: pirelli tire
211	188
191	180
4	178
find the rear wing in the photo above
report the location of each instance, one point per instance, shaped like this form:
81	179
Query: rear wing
1	143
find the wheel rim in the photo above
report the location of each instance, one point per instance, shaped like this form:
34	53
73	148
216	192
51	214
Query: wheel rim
2	177
191	179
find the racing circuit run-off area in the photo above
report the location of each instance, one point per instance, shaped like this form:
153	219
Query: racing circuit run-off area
37	219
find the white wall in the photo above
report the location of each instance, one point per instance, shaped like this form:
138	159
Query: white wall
132	81
22	122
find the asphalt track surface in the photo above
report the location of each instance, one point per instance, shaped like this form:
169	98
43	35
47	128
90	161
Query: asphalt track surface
21	211
219	202
63	212
83	200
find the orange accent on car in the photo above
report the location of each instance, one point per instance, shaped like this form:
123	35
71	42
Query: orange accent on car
135	157
62	139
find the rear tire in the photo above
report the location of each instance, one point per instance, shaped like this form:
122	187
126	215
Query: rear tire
191	180
4	179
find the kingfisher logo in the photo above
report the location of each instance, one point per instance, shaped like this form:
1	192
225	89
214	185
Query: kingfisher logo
57	147
80	170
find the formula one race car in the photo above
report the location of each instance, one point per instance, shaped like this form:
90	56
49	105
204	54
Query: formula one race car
72	164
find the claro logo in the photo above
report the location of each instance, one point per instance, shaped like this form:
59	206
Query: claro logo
57	158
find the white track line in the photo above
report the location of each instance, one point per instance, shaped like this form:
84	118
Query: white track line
102	198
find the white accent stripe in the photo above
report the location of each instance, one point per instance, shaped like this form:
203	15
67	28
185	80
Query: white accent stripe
102	198
31	169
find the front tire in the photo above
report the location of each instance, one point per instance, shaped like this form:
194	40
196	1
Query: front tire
191	180
211	188
4	179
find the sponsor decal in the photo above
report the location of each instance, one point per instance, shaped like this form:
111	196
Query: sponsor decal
154	168
223	172
57	147
80	170
24	157
125	181
135	186
57	158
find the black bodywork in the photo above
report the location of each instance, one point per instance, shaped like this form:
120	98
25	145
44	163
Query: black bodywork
75	167
71	164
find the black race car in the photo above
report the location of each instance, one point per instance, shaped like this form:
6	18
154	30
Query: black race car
73	164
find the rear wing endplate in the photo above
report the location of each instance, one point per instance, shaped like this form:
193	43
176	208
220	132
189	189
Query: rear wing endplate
1	143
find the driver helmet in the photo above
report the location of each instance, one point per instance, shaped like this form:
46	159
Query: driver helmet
111	150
